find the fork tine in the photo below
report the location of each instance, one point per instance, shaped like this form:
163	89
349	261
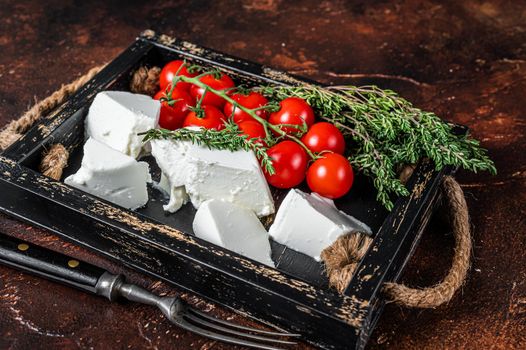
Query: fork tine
221	337
234	332
233	325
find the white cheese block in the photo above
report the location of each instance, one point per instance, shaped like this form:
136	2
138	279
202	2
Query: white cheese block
116	117
109	174
234	177
233	227
309	223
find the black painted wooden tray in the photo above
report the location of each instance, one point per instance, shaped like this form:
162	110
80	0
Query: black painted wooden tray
295	296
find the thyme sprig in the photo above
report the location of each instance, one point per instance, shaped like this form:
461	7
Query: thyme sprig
386	132
229	138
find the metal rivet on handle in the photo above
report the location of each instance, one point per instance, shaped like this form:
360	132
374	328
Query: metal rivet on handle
23	247
73	263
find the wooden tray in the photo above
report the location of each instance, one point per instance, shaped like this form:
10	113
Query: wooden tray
295	296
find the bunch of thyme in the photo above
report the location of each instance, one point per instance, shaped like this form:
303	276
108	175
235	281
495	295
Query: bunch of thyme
386	132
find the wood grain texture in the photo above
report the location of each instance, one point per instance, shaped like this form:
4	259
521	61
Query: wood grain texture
464	60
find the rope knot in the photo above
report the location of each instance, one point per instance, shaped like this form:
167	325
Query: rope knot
145	81
342	257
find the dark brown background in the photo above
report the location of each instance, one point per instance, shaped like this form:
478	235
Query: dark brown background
465	60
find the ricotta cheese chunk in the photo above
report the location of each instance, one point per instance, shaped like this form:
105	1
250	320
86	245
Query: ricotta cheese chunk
233	227
309	223
111	175
234	177
116	117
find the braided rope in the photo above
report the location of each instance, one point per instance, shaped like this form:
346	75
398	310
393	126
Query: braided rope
55	159
16	128
444	291
342	257
145	81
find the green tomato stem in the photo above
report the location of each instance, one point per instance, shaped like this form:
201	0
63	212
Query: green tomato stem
251	112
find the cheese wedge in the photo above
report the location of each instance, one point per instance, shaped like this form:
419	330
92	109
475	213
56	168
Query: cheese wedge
116	117
109	174
234	177
309	223
233	227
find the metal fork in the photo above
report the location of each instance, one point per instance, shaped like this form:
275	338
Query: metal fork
61	268
189	318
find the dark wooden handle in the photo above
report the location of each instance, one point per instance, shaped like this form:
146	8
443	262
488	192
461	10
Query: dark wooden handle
48	264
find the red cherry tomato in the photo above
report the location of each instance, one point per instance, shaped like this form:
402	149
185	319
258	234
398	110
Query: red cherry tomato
213	118
251	101
168	72
253	129
331	176
324	137
224	82
290	163
295	111
172	117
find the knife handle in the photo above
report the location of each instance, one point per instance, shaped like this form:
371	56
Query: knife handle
49	264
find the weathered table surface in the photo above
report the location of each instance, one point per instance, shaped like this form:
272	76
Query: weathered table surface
465	60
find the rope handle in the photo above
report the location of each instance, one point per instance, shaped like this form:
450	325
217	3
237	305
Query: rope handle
444	291
55	158
343	256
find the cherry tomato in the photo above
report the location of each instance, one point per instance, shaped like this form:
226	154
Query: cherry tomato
168	72
324	137
331	176
295	111
253	129
224	82
290	163
213	118
251	101
172	117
